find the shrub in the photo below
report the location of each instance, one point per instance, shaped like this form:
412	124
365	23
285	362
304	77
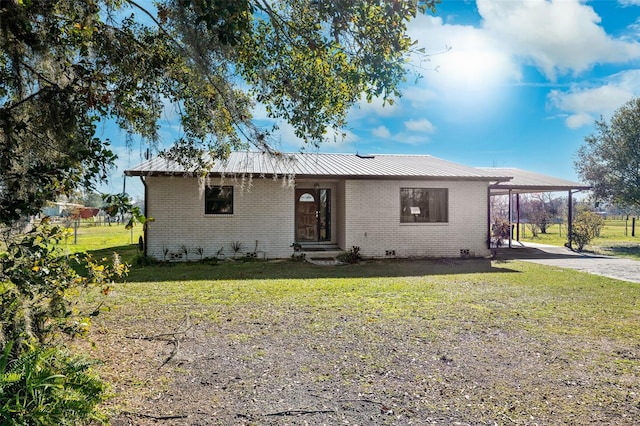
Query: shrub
500	232
586	227
298	257
236	246
351	256
46	386
40	383
38	287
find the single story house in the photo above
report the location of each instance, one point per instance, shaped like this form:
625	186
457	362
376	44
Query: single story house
387	205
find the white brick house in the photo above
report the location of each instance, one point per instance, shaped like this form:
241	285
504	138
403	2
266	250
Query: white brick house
388	205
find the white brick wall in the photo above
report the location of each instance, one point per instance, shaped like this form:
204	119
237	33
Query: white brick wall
373	224
366	213
263	211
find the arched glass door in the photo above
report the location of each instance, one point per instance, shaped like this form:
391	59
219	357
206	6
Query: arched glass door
313	215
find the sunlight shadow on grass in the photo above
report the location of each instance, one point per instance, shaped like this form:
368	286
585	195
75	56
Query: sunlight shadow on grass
286	269
630	251
127	254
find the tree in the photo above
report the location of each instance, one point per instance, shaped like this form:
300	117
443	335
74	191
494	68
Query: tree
610	160
541	210
66	64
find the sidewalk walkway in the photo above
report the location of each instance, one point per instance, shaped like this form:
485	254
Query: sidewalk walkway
607	266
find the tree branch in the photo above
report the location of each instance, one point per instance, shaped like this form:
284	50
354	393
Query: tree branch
149	416
299	412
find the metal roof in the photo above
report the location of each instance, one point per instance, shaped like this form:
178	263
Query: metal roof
320	165
529	182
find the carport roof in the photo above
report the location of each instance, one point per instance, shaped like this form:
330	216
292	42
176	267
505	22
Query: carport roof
524	181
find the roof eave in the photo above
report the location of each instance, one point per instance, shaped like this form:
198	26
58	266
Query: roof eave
323	176
537	188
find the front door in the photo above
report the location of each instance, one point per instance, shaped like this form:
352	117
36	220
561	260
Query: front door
313	215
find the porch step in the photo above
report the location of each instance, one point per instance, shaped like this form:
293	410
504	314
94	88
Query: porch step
320	250
319	247
322	254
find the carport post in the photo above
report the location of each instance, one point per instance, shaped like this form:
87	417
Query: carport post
518	217
489	233
510	218
570	218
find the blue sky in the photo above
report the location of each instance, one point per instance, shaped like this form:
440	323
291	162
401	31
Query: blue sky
509	83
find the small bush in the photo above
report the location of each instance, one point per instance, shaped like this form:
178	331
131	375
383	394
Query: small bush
351	256
47	386
236	246
500	231
298	257
38	288
586	227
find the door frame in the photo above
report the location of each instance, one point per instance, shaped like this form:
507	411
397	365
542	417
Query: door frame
322	210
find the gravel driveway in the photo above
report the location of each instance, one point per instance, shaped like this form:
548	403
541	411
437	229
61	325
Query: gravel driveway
607	266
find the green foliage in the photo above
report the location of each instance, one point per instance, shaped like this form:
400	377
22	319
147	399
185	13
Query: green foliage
610	160
67	64
351	256
47	386
38	287
575	326
586	227
121	204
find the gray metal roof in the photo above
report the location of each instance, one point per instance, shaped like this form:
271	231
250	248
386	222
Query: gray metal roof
529	182
319	165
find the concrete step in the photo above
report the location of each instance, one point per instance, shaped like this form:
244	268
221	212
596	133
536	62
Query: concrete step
322	254
318	247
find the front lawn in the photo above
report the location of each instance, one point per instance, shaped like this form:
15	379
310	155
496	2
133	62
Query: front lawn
382	342
89	237
615	238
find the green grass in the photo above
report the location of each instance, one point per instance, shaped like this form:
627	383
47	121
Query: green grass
92	238
615	238
549	299
522	330
479	340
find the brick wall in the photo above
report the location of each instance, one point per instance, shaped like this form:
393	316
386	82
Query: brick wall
373	224
263	210
366	213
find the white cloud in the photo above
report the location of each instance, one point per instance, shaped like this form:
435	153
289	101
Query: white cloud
578	120
417	97
381	132
461	56
557	36
586	103
414	140
376	107
629	2
422	126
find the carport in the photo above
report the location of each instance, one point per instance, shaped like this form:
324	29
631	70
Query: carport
526	182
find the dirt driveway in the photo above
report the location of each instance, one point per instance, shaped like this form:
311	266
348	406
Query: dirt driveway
562	257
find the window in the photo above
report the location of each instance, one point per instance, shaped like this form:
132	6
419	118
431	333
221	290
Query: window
424	205
218	200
